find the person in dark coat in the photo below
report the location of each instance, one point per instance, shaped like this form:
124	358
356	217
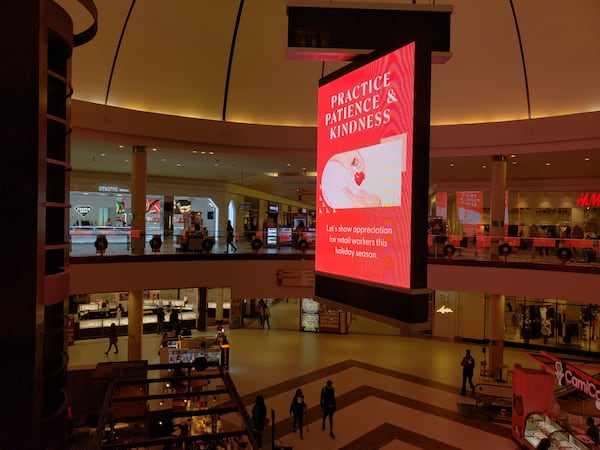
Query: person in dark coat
328	405
259	418
113	337
174	321
160	320
468	365
297	409
592	430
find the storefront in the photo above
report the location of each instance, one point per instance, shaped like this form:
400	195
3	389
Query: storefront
95	313
540	323
538	221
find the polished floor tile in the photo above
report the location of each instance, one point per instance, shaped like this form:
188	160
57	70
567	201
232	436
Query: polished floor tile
393	391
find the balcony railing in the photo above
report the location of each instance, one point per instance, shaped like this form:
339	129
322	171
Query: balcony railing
480	248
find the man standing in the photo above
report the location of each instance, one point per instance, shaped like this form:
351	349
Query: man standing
468	364
174	321
160	320
328	405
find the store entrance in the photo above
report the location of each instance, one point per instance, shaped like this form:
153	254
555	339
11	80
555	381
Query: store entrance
307	315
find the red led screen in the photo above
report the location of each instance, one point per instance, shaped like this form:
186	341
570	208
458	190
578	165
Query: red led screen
364	172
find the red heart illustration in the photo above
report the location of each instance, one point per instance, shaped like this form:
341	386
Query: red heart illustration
359	177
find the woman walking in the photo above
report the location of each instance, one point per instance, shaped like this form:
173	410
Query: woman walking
297	409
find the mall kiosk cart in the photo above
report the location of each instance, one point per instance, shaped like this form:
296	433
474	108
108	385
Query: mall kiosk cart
532	417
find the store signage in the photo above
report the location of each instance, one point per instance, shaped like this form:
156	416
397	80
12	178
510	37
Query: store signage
296	277
444	310
105	188
588	199
83	210
568	374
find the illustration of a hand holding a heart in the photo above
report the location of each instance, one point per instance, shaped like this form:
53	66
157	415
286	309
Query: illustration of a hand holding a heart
341	183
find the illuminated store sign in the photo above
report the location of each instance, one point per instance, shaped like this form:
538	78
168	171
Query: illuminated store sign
104	188
588	199
568	375
444	310
565	375
83	210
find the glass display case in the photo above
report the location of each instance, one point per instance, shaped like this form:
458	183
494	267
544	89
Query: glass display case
540	426
566	441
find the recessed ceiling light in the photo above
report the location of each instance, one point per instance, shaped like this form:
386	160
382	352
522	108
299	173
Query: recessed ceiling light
203	152
513	156
484	167
289	164
120	146
514	162
451	164
216	164
102	154
194	151
211	153
162	159
126	160
178	165
154	149
547	163
586	159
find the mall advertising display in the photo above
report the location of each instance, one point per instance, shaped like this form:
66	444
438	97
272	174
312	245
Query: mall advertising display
365	176
469	207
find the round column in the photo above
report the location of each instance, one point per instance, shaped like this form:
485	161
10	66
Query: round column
496	334
135	327
497	204
138	199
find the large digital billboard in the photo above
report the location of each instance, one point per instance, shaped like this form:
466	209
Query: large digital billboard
365	172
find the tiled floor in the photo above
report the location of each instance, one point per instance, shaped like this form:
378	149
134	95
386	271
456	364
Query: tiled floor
393	391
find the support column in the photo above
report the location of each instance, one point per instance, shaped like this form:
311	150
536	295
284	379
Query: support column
138	199
496	334
138	241
135	328
497	204
219	308
169	205
202	307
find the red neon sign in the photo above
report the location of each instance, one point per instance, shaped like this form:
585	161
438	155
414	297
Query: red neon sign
568	374
588	199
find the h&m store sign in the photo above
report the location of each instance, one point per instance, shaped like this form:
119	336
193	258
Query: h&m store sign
588	199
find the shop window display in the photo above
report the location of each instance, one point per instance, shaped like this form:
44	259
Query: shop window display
552	323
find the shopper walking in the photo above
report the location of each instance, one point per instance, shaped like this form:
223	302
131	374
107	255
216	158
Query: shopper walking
230	237
261	311
259	418
120	311
468	364
266	315
328	405
160	320
297	410
113	337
